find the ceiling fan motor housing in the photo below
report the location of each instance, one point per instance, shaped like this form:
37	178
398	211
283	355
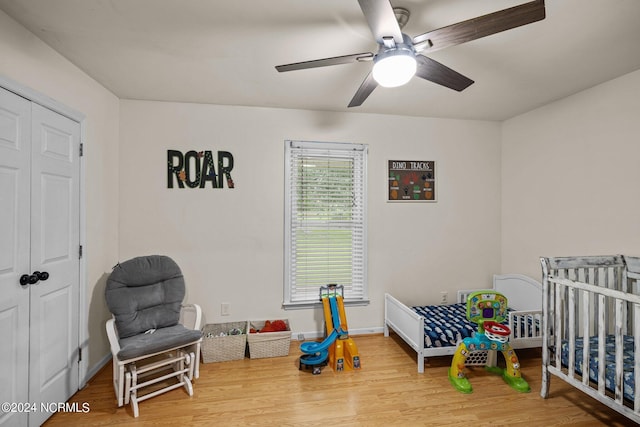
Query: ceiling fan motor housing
395	63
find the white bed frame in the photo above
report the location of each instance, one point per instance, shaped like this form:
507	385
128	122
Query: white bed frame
524	296
585	297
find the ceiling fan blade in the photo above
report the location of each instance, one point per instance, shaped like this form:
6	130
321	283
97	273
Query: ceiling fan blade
481	26
363	92
434	71
336	60
382	20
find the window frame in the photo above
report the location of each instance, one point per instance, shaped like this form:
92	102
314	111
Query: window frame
358	152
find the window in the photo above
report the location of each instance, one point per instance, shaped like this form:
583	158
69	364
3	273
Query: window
325	221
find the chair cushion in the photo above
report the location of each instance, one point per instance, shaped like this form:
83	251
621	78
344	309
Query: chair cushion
145	293
160	340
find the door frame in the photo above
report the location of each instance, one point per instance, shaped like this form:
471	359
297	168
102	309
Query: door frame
47	102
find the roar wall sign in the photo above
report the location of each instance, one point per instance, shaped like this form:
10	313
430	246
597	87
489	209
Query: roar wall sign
197	169
412	180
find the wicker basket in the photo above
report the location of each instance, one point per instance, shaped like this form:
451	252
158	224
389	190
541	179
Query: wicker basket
218	345
268	344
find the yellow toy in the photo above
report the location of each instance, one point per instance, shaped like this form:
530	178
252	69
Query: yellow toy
487	309
338	347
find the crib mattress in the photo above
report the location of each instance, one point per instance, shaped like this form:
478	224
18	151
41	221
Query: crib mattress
610	355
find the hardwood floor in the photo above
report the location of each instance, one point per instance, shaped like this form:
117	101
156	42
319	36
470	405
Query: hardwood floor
386	391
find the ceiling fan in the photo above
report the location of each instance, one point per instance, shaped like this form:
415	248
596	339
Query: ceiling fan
400	57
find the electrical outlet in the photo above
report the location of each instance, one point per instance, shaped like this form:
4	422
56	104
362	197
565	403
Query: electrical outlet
444	297
224	309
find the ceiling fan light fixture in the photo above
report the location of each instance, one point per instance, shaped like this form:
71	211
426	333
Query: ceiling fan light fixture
393	68
399	59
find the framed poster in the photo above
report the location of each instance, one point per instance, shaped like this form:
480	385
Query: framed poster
412	181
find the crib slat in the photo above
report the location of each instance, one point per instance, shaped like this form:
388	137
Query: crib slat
619	352
571	366
586	333
619	275
627	286
602	336
558	324
599	282
636	357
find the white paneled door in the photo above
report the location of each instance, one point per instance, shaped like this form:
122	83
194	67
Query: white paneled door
39	260
15	218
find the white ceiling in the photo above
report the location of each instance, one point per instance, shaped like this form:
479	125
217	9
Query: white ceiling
224	52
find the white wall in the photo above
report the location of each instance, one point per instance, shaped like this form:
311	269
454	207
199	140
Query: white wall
570	177
27	60
229	243
560	180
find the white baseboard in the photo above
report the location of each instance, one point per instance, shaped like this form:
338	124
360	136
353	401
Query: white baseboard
94	369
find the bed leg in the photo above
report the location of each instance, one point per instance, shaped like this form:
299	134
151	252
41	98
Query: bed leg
386	330
420	363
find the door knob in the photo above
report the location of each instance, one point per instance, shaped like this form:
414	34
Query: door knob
28	279
32	279
42	275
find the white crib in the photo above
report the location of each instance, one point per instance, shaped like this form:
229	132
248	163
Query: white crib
591	313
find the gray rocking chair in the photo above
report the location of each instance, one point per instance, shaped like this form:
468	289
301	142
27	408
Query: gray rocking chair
154	338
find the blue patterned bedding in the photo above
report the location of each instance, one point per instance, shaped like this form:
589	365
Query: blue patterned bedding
610	371
445	325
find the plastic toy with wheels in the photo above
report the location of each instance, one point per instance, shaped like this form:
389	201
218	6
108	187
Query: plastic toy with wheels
337	349
487	309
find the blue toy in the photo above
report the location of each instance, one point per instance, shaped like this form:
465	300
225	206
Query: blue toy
338	349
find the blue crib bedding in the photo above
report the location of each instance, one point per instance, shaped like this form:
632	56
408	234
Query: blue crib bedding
445	325
610	349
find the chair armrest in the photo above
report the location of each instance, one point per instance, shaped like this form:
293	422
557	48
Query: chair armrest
112	334
191	316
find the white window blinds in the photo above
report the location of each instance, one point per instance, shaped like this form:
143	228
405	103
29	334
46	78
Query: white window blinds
325	220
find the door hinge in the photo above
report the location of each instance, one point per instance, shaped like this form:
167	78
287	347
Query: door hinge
81	149
80	252
79	354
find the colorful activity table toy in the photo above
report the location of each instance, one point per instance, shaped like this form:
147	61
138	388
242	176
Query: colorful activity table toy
488	309
338	349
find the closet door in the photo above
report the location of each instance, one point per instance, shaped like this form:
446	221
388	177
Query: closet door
39	225
15	217
55	237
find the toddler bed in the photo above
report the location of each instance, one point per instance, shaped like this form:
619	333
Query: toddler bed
436	330
591	334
